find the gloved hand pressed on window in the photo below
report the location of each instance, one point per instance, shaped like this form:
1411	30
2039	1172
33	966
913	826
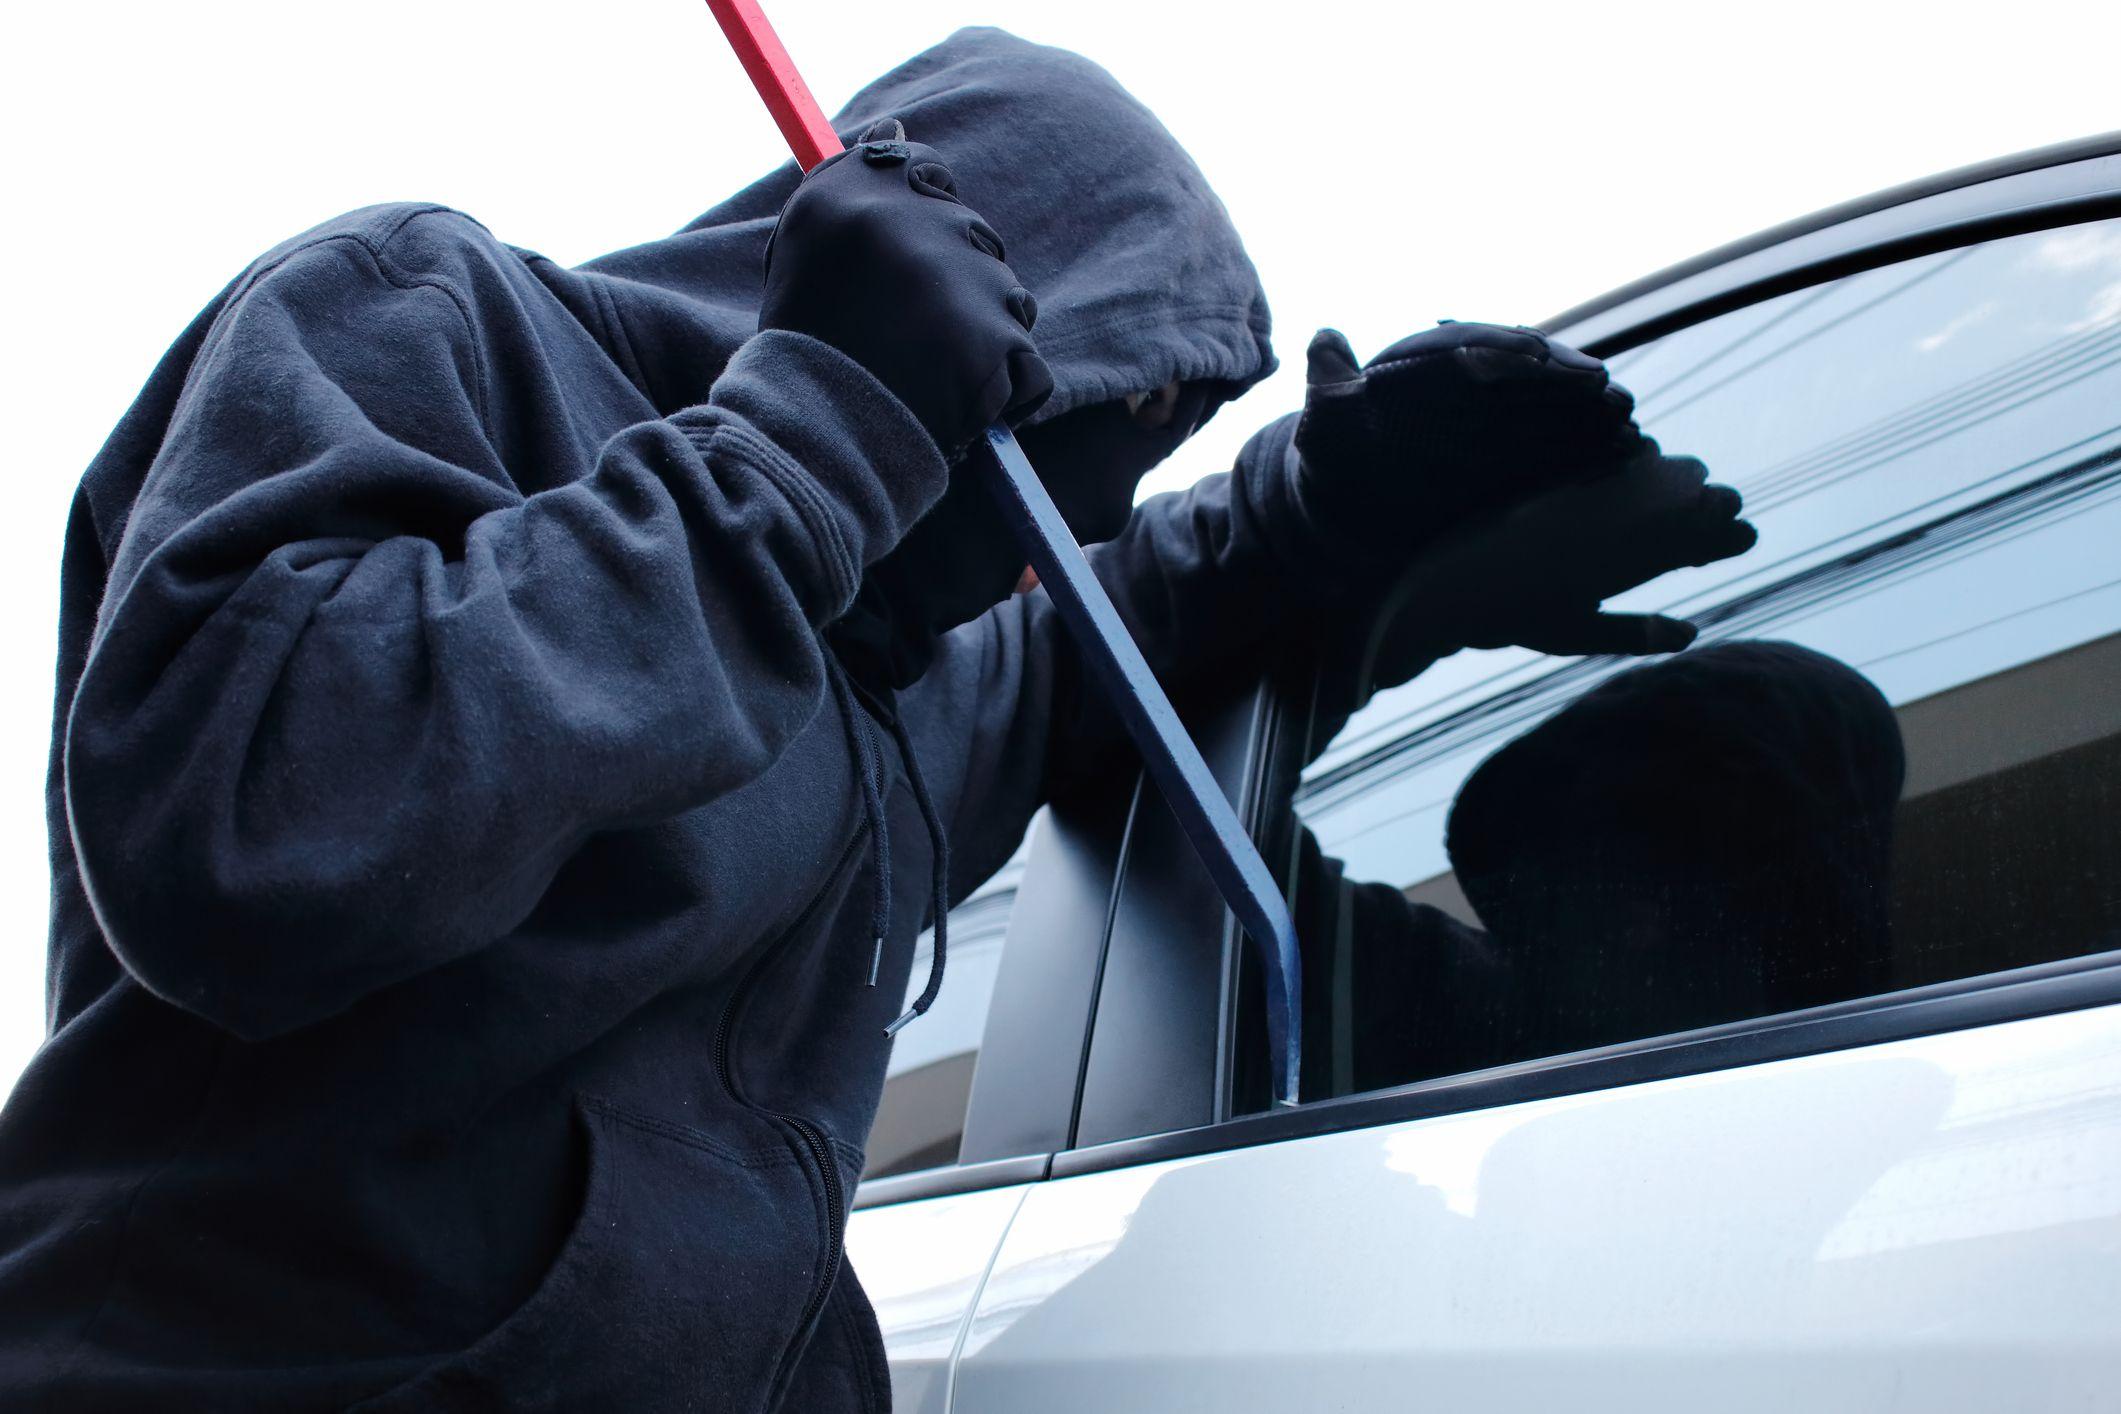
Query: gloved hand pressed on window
1535	573
1450	423
875	255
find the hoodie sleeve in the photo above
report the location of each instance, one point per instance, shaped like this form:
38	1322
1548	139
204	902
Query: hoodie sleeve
1006	716
368	670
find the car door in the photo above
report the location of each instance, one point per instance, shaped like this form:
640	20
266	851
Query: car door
979	1095
1905	1193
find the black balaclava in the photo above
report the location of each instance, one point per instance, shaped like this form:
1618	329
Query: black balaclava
1696	840
1140	278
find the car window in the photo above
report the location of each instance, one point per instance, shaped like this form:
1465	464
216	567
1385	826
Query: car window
920	1120
1893	758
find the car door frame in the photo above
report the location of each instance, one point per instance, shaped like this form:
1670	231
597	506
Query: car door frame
1027	1074
1109	1042
1163	1093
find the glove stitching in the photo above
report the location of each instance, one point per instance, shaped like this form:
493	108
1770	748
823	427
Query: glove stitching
1429	355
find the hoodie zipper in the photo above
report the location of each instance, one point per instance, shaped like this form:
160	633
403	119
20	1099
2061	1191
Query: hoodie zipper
813	1137
828	1167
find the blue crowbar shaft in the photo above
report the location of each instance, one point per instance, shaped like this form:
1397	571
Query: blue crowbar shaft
1172	759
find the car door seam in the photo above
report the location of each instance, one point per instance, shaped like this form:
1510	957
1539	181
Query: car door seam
979	1294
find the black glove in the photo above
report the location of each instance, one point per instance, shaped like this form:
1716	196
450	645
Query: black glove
875	255
1457	421
1535	573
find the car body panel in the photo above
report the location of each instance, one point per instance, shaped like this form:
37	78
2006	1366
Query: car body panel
922	1264
1933	1224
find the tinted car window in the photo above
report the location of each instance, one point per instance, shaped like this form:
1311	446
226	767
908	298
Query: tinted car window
1923	644
921	1118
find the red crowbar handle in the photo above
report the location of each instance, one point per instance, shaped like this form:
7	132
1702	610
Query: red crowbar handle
1109	651
799	117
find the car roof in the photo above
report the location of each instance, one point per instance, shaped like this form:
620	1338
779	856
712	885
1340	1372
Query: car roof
1959	178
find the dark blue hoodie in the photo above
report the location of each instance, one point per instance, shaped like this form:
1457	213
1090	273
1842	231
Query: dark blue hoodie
463	889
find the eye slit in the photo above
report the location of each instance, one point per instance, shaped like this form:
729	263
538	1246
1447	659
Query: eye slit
1154	410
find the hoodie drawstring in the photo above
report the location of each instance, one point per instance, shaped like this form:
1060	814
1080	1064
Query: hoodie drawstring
938	877
869	759
869	762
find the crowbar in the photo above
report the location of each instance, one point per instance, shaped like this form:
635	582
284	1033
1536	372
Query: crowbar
1173	761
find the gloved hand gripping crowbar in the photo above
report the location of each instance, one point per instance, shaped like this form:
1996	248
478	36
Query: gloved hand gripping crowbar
1173	761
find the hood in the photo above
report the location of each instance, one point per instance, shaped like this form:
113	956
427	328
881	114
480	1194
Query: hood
1140	276
1721	820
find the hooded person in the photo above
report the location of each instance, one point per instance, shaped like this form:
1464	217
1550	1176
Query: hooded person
1691	842
513	722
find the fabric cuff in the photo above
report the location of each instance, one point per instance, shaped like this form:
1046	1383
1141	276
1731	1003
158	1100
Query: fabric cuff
1270	480
854	462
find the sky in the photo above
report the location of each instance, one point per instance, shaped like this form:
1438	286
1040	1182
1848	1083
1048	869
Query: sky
1389	164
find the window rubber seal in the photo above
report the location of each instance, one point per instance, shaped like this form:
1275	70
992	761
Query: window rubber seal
1989	999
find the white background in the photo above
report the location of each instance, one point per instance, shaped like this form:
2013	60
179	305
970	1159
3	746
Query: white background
1389	164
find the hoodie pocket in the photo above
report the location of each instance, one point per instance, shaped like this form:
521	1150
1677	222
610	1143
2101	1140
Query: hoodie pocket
685	1283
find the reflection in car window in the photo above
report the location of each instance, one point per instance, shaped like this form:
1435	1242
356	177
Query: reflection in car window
921	1117
1932	453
